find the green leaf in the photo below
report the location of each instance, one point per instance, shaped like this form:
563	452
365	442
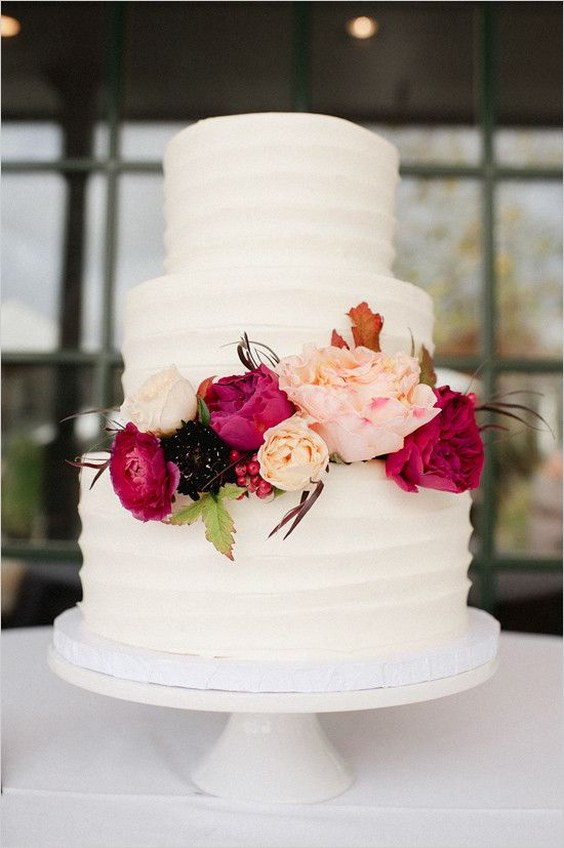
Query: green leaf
334	457
231	491
428	375
217	521
203	411
190	513
219	525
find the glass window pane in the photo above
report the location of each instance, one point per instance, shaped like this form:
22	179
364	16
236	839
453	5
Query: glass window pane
416	69
39	491
101	140
529	476
191	60
94	271
144	141
32	142
529	268
438	248
530	64
141	236
52	71
43	265
32	243
529	147
433	145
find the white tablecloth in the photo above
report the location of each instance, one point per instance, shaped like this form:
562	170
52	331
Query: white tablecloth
481	769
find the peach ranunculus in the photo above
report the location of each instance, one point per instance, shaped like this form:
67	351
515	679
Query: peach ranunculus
361	403
162	403
292	455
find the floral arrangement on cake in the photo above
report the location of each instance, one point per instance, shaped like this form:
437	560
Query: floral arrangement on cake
184	453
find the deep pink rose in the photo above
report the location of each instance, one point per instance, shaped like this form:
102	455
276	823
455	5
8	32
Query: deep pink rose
142	479
446	453
244	406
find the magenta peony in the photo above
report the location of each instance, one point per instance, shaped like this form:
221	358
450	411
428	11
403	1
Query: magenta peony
242	407
142	479
361	402
446	453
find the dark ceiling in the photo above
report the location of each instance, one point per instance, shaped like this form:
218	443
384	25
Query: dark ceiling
188	60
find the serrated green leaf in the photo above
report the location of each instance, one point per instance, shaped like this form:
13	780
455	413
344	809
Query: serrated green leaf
203	411
231	491
189	514
219	526
427	375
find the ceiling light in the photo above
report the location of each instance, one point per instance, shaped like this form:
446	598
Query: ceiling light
9	26
362	27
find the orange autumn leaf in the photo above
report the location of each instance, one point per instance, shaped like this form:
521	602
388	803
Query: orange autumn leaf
338	341
204	386
366	326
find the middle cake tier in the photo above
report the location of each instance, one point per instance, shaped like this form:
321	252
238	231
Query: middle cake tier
194	320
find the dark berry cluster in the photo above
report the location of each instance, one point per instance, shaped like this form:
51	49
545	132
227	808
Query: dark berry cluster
202	459
247	473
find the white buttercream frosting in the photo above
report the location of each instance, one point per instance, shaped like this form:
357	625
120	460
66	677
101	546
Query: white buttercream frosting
276	226
192	319
371	567
279	190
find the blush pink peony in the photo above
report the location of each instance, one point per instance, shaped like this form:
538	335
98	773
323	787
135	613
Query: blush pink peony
142	479
446	454
363	404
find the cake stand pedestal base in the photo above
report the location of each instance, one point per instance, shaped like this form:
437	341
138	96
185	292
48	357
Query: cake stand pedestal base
282	757
273	748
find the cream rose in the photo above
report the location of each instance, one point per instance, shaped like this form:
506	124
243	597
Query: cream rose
361	403
292	455
162	403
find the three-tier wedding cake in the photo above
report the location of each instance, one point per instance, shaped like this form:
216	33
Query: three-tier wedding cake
279	231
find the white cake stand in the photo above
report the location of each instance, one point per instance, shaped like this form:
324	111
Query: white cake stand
273	748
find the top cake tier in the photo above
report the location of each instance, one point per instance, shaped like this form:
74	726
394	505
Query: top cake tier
279	189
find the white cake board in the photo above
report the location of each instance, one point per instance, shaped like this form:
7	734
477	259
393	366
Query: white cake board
273	748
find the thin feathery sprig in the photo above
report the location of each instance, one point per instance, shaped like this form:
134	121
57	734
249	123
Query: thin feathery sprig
253	354
307	500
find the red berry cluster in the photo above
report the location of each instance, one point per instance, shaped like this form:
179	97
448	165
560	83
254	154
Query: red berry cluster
247	471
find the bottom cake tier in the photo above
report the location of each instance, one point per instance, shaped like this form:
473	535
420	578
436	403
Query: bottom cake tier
371	570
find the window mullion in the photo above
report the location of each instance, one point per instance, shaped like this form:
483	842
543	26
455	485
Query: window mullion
111	235
302	57
487	514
